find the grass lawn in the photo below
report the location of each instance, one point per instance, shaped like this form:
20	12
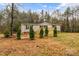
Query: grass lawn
64	45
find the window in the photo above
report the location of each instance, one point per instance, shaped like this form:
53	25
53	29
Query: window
45	26
27	27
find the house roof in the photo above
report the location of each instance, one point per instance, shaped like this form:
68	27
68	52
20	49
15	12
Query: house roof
43	23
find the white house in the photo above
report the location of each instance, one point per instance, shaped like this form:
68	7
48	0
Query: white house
36	27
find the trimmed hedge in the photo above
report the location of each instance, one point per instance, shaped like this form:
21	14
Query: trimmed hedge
46	31
55	32
31	33
19	34
41	32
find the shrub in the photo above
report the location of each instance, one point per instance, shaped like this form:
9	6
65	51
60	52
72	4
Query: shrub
31	33
41	32
6	34
55	32
19	34
16	26
46	31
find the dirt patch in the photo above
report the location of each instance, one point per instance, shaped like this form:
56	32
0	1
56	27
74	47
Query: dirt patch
37	47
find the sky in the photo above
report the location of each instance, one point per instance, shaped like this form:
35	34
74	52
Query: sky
39	6
42	6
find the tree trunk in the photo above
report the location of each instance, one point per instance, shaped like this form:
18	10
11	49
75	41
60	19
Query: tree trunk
12	18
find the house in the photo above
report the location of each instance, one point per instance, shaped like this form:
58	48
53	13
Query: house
36	26
25	26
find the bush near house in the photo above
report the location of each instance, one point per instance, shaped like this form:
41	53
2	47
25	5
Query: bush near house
16	27
41	32
31	33
19	34
6	34
46	31
55	31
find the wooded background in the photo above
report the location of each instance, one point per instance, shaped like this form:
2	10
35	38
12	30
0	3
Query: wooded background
11	17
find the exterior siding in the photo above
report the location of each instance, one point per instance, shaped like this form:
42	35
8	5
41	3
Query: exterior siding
36	28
